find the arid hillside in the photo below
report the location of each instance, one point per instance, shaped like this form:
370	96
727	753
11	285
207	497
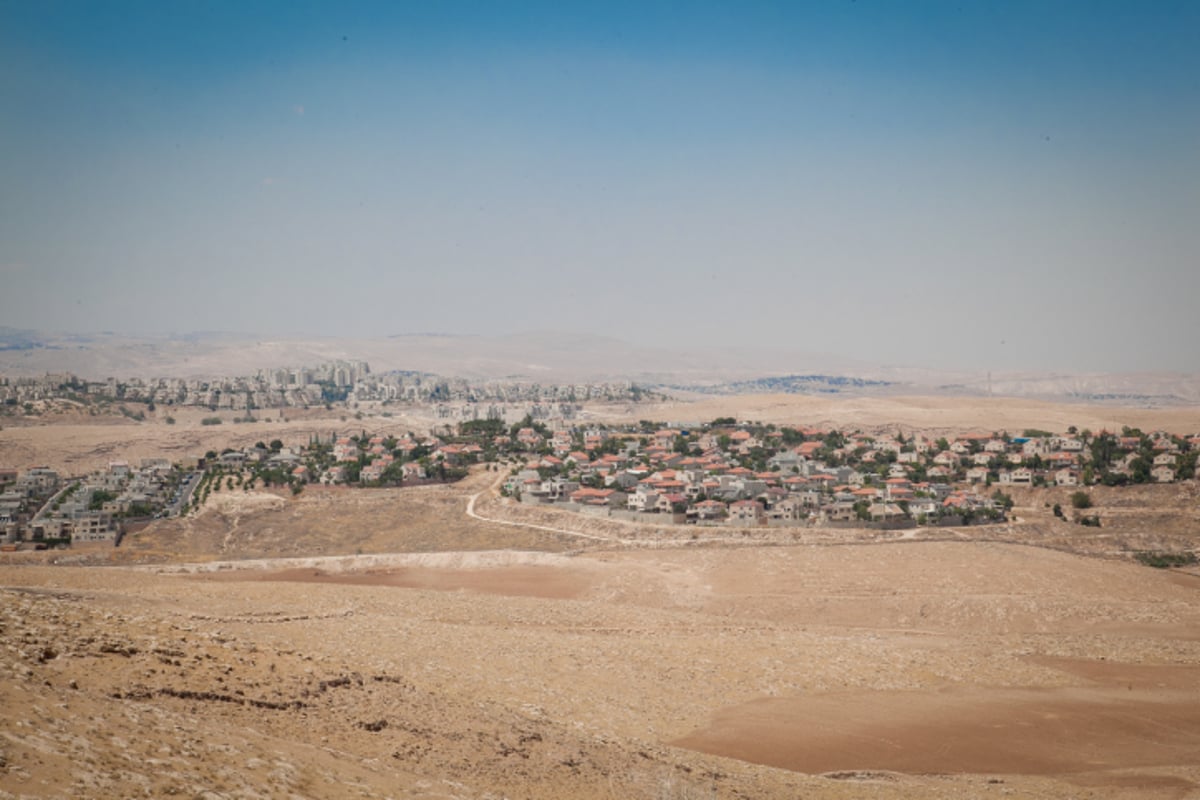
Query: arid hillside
907	670
926	414
236	524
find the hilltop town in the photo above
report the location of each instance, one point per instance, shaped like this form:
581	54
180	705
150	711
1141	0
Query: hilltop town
764	474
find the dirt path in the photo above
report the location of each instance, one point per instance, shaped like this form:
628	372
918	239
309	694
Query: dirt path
564	531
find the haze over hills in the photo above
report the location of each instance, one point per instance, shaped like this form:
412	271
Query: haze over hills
549	356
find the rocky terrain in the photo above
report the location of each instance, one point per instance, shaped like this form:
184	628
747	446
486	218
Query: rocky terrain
928	669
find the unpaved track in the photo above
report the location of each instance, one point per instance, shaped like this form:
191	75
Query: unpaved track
563	531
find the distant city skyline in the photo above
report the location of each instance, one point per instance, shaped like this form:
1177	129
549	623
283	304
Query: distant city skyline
992	185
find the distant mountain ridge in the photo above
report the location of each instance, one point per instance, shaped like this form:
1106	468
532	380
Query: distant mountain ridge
793	384
17	339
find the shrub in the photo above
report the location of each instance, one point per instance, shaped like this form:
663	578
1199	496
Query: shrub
211	421
1003	500
1161	560
1081	500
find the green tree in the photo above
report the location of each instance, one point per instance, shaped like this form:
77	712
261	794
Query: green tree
1114	479
1139	469
1081	500
482	427
139	510
1103	450
99	498
393	474
611	446
1187	466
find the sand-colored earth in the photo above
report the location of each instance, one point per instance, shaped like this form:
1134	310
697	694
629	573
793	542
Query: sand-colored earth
933	415
926	669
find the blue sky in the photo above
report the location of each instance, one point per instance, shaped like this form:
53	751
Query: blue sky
1010	185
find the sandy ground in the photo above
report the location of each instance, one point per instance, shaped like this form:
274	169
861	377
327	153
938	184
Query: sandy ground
927	669
936	415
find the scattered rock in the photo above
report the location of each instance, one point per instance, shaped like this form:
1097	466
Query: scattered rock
119	649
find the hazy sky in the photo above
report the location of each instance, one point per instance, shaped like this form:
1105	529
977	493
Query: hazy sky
1007	184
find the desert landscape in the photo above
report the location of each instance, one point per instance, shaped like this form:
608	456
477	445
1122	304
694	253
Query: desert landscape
443	641
599	400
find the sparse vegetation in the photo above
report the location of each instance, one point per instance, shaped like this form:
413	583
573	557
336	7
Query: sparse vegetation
136	416
1163	560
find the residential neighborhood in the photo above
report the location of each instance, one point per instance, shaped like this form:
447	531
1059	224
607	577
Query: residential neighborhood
746	474
41	508
718	473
